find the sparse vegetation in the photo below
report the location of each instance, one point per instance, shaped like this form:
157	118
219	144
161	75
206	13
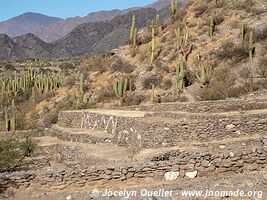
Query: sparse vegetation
13	152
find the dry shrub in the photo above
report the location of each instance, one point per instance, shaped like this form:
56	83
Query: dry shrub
262	69
94	63
200	10
151	80
231	51
233	22
261	35
132	100
160	66
105	93
223	85
119	66
166	84
219	87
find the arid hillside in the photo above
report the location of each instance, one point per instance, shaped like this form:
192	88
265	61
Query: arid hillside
181	104
204	51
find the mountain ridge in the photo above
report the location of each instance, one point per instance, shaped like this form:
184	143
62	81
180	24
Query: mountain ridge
26	23
85	39
60	28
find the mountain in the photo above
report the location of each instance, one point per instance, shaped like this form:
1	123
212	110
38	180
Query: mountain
8	48
26	23
160	4
85	39
33	47
98	37
60	29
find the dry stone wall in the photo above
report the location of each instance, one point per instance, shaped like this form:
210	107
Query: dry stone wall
203	106
236	158
166	129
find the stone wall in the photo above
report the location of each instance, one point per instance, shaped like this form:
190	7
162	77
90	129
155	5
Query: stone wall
166	129
181	163
203	106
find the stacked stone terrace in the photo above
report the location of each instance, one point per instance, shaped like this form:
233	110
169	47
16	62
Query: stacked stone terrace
167	141
166	125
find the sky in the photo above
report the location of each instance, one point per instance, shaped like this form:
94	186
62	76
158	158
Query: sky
63	8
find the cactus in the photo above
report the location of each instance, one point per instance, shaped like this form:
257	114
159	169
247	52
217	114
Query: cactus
7	119
251	46
148	27
186	34
173	7
212	25
243	32
205	77
152	97
125	85
132	27
134	38
34	94
180	75
178	37
157	24
13	116
120	87
130	85
81	87
151	46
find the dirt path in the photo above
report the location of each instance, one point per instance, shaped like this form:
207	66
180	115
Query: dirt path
108	152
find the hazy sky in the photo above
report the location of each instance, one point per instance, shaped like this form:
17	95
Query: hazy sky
63	8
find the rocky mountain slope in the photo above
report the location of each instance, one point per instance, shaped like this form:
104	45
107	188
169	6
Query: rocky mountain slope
86	38
60	29
100	37
26	23
50	29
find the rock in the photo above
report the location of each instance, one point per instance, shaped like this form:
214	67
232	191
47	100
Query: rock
68	197
171	176
191	175
232	154
230	126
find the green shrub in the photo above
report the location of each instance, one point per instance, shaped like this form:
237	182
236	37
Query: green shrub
13	152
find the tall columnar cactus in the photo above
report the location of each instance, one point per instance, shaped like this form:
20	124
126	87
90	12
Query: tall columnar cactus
118	88
131	85
157	24
152	97
148	27
180	75
173	7
7	122
212	25
243	32
134	39
178	37
186	34
13	116
34	94
206	73
3	92
151	46
251	46
132	27
81	88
